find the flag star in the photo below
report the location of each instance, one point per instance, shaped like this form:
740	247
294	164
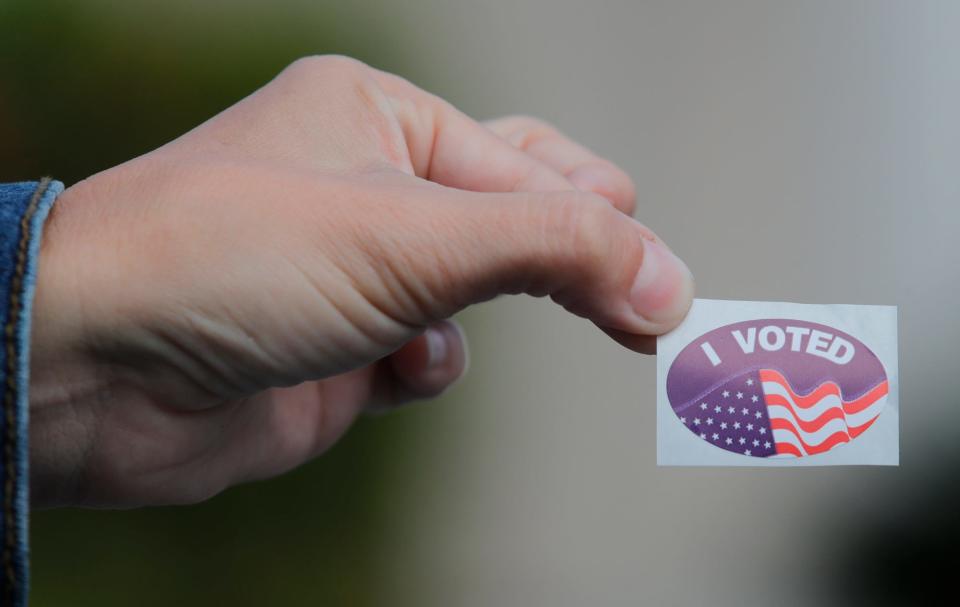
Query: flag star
703	406
715	436
739	394
749	426
747	452
726	393
763	430
745	411
703	436
736	425
683	420
756	443
742	440
730	409
709	421
750	382
696	421
717	409
723	425
766	444
729	441
754	398
757	414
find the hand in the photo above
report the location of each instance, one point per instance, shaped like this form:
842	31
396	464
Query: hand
222	308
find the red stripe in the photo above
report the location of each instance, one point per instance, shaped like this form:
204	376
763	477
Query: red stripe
826	389
855	406
808	400
788	448
831	441
812	425
857	431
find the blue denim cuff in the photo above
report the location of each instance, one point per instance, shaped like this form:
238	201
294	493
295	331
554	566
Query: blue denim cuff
23	209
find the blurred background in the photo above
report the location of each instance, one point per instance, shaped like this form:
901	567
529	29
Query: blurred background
789	151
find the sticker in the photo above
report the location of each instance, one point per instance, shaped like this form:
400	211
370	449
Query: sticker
753	383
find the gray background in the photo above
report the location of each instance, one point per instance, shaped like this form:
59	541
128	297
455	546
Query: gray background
788	151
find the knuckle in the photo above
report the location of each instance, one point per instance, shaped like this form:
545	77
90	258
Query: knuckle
583	230
524	122
314	67
522	130
349	91
620	182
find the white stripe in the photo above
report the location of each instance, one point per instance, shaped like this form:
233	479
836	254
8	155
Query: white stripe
862	417
809	414
826	403
813	438
785	436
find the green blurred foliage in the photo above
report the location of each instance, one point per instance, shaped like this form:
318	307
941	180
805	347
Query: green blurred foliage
85	86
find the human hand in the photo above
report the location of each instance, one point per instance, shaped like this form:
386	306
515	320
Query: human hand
222	308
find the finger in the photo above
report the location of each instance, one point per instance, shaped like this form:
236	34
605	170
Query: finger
575	247
452	149
281	428
584	169
423	368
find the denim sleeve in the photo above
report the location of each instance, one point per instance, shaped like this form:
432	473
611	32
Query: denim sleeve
23	209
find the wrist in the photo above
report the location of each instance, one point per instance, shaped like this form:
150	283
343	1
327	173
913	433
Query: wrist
64	378
56	336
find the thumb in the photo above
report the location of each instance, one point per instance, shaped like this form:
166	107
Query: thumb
575	247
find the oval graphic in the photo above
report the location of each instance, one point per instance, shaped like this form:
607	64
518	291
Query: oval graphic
777	387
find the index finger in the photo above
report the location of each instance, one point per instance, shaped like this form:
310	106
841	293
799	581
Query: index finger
584	169
448	147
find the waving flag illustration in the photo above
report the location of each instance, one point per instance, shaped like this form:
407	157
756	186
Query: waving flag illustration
777	388
819	421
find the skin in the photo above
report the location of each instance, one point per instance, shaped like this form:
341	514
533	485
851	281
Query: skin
221	309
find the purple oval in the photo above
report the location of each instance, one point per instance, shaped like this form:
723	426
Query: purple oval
777	387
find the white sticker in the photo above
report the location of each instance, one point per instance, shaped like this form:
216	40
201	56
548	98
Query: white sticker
746	383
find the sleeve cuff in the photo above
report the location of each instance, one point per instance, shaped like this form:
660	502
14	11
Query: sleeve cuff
23	209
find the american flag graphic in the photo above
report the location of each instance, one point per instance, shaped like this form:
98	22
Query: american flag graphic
777	388
759	414
819	421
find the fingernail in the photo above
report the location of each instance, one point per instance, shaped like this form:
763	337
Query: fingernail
663	287
464	345
437	347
